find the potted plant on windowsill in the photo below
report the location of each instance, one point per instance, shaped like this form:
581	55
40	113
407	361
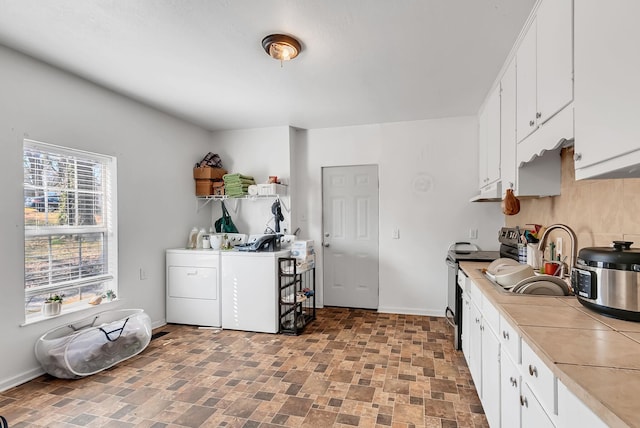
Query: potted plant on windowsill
109	295
53	305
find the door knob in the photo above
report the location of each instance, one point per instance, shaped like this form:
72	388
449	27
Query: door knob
531	123
326	235
326	244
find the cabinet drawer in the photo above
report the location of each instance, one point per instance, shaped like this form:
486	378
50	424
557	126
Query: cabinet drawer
491	315
462	280
540	378
510	340
476	294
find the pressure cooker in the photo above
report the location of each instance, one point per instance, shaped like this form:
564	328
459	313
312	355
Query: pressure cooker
607	280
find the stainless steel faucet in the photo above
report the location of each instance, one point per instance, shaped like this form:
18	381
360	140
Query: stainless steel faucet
574	250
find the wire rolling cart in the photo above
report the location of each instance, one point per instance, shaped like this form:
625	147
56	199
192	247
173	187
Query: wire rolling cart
297	302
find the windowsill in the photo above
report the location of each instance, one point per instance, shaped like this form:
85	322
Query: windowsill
71	309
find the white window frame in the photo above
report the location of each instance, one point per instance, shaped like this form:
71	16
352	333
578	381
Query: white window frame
108	229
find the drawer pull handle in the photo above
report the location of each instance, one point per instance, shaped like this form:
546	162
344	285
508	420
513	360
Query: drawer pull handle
523	401
533	371
505	334
513	381
195	272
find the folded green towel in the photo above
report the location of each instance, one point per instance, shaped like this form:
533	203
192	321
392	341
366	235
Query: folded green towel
240	181
236	177
236	186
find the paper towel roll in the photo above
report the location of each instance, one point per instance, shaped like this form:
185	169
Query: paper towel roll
253	189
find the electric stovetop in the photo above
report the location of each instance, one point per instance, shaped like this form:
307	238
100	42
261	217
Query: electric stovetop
470	256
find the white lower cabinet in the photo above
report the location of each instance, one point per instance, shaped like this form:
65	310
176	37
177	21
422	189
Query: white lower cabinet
490	375
475	347
573	413
484	354
466	325
516	388
510	380
540	378
533	415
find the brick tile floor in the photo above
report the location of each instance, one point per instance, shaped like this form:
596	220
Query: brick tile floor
350	368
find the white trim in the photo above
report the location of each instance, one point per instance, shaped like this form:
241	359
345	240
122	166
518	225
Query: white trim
412	311
20	378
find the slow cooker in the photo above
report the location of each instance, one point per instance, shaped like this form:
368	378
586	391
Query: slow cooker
607	280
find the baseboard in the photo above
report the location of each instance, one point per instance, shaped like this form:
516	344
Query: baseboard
21	378
411	311
159	323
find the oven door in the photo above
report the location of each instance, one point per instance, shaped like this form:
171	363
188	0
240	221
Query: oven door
453	312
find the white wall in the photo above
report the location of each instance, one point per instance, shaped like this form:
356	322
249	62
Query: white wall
156	207
259	153
428	171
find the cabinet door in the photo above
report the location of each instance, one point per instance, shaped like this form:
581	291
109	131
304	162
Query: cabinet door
573	413
508	141
509	392
475	347
493	136
482	148
607	67
554	57
466	325
533	416
526	84
490	375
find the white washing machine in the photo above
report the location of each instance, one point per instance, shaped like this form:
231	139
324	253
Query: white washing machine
250	290
193	287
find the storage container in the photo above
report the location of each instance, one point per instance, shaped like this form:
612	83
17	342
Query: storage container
271	189
208	173
94	343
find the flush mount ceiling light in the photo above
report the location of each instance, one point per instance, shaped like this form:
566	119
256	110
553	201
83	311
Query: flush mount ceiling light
281	47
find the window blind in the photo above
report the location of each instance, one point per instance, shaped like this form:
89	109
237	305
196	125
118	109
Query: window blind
68	223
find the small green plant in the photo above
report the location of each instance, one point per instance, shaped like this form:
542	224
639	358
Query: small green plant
109	295
55	298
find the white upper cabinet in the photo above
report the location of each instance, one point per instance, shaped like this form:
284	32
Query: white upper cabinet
544	62
555	57
540	177
526	84
489	140
607	107
508	169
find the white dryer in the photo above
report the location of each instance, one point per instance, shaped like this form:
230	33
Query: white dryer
193	287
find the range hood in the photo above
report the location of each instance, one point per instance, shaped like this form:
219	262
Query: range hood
489	193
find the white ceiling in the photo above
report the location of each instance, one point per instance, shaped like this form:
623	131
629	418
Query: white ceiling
363	61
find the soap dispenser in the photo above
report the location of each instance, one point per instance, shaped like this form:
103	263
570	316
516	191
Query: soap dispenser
193	238
200	237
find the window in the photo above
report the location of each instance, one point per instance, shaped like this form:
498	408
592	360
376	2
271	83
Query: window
70	239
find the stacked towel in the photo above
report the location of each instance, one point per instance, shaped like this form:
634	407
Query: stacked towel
237	184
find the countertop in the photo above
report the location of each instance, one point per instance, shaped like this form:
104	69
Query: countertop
596	357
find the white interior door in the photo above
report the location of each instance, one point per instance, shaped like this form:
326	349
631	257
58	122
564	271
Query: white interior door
350	236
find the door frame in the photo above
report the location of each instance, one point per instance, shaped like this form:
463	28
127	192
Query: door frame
322	222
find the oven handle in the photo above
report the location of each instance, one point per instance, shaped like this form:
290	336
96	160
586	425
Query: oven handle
449	318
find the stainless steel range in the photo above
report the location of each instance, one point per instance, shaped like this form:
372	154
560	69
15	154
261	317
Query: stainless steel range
461	251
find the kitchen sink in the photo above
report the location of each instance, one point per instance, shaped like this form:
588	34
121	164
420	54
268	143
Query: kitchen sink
537	285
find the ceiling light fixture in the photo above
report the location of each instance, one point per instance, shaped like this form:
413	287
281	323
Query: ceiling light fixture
281	47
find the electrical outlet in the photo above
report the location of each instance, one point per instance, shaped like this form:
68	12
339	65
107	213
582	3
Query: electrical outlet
396	233
143	274
473	233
